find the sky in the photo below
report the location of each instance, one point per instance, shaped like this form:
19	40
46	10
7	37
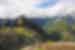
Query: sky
36	8
43	3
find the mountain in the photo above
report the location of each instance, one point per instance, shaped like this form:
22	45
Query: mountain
70	20
40	21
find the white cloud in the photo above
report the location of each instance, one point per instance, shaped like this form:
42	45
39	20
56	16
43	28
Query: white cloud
14	8
63	7
19	7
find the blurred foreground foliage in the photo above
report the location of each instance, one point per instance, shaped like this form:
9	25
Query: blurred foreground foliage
22	36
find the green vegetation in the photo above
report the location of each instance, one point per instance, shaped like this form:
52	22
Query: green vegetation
53	27
61	27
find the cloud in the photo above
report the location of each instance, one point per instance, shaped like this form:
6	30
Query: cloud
18	7
14	8
44	3
62	8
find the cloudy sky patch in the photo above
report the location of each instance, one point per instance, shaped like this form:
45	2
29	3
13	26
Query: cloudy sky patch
36	8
